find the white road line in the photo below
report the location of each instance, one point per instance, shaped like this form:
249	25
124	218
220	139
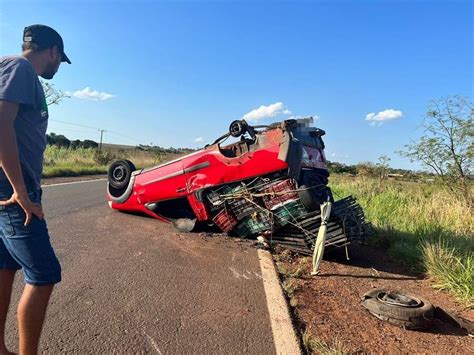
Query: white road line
153	342
284	335
72	183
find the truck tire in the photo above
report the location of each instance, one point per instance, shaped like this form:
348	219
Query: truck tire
120	172
400	309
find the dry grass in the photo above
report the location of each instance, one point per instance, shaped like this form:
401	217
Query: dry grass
317	346
290	285
85	161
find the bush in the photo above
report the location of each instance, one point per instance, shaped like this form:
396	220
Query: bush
104	157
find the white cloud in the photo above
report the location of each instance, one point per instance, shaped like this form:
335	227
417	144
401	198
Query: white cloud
89	94
199	140
387	115
263	111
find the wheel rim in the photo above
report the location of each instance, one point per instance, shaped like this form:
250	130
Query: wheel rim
398	299
119	173
236	129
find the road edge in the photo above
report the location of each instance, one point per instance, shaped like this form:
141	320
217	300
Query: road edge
71	182
284	334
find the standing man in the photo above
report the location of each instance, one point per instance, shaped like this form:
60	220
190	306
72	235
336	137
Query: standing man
24	238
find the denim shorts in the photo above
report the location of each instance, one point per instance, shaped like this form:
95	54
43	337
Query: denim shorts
28	248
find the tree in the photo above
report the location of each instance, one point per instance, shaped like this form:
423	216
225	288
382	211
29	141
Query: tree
447	146
75	144
53	96
340	168
58	140
367	168
89	144
383	165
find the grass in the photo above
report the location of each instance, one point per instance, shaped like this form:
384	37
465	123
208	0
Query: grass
290	271
87	161
423	226
290	285
451	271
317	346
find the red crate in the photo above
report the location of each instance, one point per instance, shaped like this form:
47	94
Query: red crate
225	220
279	193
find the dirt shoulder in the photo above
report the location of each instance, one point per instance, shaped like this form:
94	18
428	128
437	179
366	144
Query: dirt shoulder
328	307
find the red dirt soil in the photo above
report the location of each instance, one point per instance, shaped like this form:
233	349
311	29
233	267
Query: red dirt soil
329	305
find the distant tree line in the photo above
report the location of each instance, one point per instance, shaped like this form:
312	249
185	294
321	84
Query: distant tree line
376	170
61	141
160	150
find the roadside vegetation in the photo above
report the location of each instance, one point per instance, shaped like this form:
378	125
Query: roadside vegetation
424	226
66	161
317	346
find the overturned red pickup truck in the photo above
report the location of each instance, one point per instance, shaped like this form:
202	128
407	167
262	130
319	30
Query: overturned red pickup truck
270	182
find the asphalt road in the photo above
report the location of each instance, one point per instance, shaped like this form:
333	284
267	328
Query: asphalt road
132	284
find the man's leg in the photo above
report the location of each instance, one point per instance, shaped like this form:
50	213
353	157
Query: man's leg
6	283
31	314
31	248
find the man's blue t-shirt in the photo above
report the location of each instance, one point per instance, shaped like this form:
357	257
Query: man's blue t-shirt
19	83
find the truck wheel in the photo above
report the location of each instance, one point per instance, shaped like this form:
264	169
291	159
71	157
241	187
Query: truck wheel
307	198
120	172
313	197
400	309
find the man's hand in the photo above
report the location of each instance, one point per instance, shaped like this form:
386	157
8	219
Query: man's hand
29	207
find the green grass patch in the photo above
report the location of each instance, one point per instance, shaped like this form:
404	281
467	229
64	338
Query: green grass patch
65	170
453	272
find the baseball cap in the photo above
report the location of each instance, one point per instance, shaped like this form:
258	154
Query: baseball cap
45	37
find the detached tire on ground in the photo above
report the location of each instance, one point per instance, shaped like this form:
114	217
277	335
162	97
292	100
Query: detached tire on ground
400	309
120	172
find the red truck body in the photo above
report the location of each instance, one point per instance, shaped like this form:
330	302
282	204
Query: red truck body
289	147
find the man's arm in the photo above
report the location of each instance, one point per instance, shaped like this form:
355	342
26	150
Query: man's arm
10	162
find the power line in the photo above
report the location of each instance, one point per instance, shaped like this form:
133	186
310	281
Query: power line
75	124
98	129
75	130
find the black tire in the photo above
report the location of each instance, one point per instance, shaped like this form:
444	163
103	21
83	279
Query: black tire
120	172
313	197
236	128
410	312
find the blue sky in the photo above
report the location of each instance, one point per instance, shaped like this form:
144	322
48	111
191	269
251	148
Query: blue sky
170	72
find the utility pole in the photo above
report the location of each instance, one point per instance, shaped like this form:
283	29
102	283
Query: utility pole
101	134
